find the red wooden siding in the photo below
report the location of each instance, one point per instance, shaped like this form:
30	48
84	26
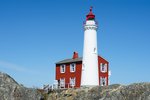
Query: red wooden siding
77	74
101	74
67	75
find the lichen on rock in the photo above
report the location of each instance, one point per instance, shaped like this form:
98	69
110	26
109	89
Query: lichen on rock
136	91
11	90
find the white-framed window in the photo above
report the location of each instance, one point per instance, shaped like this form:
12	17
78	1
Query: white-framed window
103	67
62	82
72	81
62	68
103	81
95	50
72	67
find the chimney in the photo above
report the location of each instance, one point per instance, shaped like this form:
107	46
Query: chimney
75	55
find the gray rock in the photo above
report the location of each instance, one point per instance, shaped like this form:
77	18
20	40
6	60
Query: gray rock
136	91
11	90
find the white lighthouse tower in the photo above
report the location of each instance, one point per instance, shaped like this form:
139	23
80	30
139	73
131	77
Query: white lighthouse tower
90	54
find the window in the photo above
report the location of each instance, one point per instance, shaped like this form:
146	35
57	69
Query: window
72	82
95	51
103	81
103	67
62	68
72	67
62	82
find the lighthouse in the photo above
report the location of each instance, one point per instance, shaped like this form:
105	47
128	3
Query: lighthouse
89	76
89	70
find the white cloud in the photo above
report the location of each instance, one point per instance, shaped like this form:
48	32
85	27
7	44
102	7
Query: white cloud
15	67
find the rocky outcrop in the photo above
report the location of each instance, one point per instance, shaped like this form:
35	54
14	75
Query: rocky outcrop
136	91
11	90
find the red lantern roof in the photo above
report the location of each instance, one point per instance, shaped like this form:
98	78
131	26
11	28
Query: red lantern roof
90	16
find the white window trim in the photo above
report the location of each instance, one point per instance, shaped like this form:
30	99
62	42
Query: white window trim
101	81
72	81
105	67
71	67
62	82
61	71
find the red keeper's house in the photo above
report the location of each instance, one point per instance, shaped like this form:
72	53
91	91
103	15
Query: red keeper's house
68	72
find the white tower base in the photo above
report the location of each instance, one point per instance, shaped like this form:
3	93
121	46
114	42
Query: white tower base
90	55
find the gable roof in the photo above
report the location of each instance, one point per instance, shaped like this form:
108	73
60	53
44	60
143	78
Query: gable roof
69	60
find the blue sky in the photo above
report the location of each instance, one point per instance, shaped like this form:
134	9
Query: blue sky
34	34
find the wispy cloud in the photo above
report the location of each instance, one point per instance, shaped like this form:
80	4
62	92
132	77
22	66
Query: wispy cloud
15	67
